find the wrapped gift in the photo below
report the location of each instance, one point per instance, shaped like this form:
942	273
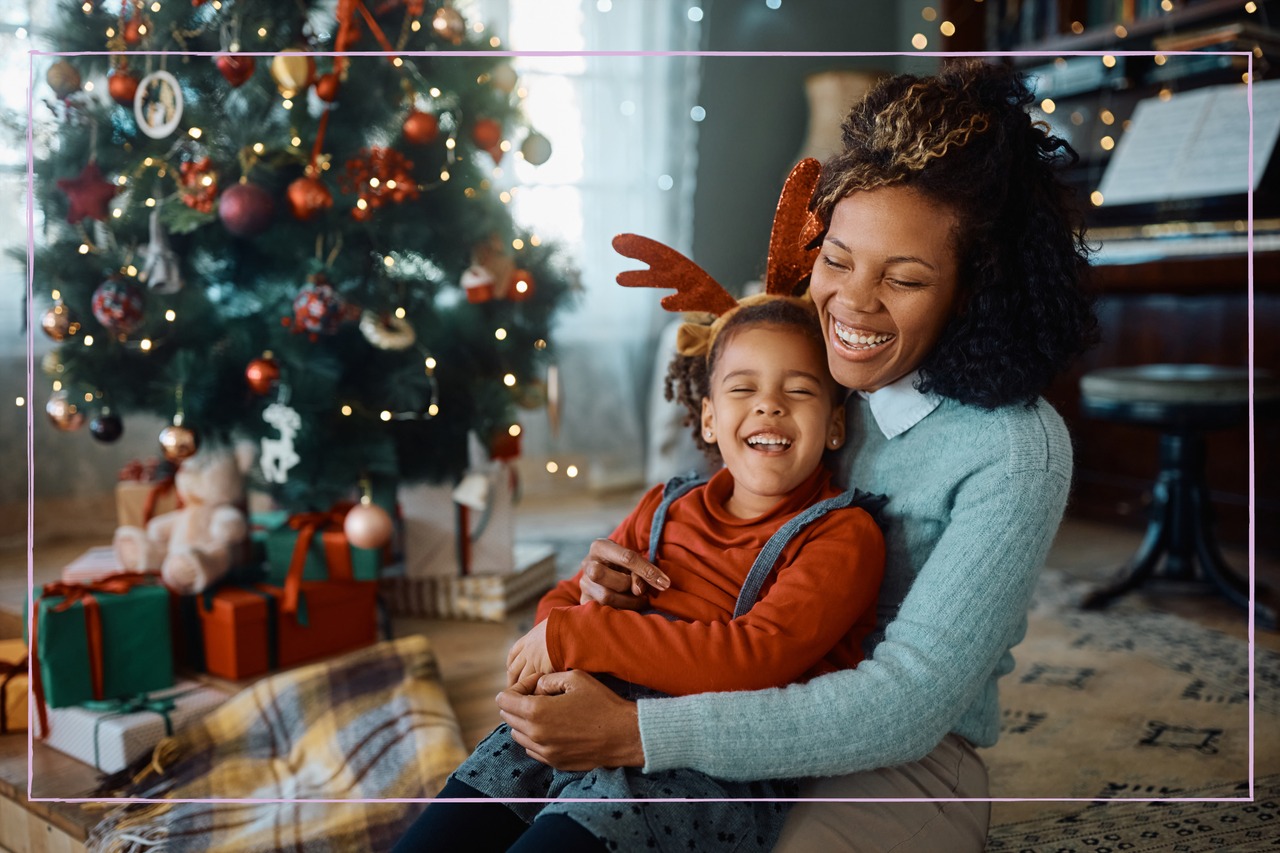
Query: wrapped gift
144	490
104	640
112	734
312	546
13	686
482	596
243	630
95	564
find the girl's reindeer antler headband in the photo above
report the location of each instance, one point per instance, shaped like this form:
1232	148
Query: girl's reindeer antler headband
789	264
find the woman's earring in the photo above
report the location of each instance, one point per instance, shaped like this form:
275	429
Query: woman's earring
707	433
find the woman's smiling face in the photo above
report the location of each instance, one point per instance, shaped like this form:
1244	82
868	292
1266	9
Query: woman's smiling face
885	284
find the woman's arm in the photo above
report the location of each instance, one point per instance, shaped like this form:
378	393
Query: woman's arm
965	608
816	598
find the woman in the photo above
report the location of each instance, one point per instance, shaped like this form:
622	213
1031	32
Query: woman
949	285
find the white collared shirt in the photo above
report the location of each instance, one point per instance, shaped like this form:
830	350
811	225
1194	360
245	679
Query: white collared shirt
899	406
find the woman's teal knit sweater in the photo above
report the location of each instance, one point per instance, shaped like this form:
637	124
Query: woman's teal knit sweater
975	498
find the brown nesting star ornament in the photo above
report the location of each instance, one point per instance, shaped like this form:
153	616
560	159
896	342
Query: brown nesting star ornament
789	266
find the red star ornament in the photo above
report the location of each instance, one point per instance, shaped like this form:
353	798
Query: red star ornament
89	194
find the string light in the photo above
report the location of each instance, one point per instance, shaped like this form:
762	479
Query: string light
142	29
346	410
522	92
389	261
296	141
444	176
151	202
258	148
131	269
362	204
1161	59
57	294
397	62
1167	5
514	430
88	340
501	334
391	185
1048	105
433	410
539	344
535	240
919	42
87	7
450	143
1077	27
478	27
551	466
572	470
1251	7
495	42
21	401
111	32
121	180
170	315
1107	143
505	145
505	197
928	13
1121	32
948	29
117	212
431	363
386	416
497	171
1166	94
1096	198
435	93
1106	116
415	26
155	7
146	344
399	313
57	384
1109	61
509	380
84	248
195	132
88	87
517	244
88	397
521	286
262	32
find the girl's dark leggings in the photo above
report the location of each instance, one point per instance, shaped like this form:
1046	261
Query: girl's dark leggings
491	828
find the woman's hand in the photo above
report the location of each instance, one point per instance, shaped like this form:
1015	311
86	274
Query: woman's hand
528	656
573	722
619	577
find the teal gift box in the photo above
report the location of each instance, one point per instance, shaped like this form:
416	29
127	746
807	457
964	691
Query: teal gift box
328	553
136	653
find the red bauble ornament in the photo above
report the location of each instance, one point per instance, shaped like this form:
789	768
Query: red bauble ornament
487	133
89	194
237	69
119	305
131	33
421	128
505	445
262	373
521	286
367	526
197	193
122	85
394	180
327	87
246	209
307	197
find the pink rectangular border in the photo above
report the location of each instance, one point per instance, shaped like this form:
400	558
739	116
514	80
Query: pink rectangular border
31	475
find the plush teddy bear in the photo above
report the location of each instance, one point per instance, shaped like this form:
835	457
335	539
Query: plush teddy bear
194	546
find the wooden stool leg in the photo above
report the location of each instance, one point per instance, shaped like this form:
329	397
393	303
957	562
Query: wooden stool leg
1216	571
1141	565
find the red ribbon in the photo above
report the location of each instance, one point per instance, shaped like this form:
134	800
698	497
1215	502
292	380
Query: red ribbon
337	550
143	472
158	491
74	593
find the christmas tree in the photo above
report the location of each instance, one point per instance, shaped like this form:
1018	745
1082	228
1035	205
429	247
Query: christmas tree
317	251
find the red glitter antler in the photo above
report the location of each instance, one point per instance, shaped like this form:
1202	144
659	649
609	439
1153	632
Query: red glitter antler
789	261
697	291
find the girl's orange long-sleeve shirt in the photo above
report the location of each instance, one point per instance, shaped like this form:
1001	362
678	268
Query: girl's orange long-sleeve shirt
810	618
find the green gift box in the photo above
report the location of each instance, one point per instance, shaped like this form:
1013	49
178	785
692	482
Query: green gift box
328	551
135	651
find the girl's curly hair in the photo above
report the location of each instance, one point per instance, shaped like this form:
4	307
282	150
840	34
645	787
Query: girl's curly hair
689	376
964	139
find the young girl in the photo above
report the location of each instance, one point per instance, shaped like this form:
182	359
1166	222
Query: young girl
773	575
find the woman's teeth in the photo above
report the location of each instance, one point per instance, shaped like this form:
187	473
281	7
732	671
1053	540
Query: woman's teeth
854	340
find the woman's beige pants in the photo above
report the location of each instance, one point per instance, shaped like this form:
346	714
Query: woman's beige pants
953	769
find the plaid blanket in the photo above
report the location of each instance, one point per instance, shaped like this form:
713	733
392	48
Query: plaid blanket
372	724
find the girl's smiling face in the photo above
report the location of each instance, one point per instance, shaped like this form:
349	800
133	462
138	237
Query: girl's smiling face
771	413
885	283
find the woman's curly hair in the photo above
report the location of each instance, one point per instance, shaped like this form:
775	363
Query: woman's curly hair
964	139
689	376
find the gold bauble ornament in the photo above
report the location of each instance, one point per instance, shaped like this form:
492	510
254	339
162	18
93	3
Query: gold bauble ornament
63	413
57	321
448	24
505	79
294	70
63	78
367	526
178	442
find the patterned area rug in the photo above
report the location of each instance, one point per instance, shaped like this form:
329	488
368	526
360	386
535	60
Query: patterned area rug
1190	827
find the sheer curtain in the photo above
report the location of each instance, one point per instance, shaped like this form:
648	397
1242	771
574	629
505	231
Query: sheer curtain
624	134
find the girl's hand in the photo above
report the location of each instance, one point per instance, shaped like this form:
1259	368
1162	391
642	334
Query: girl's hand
529	655
619	577
573	722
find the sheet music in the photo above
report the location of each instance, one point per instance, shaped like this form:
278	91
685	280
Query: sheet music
1194	145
